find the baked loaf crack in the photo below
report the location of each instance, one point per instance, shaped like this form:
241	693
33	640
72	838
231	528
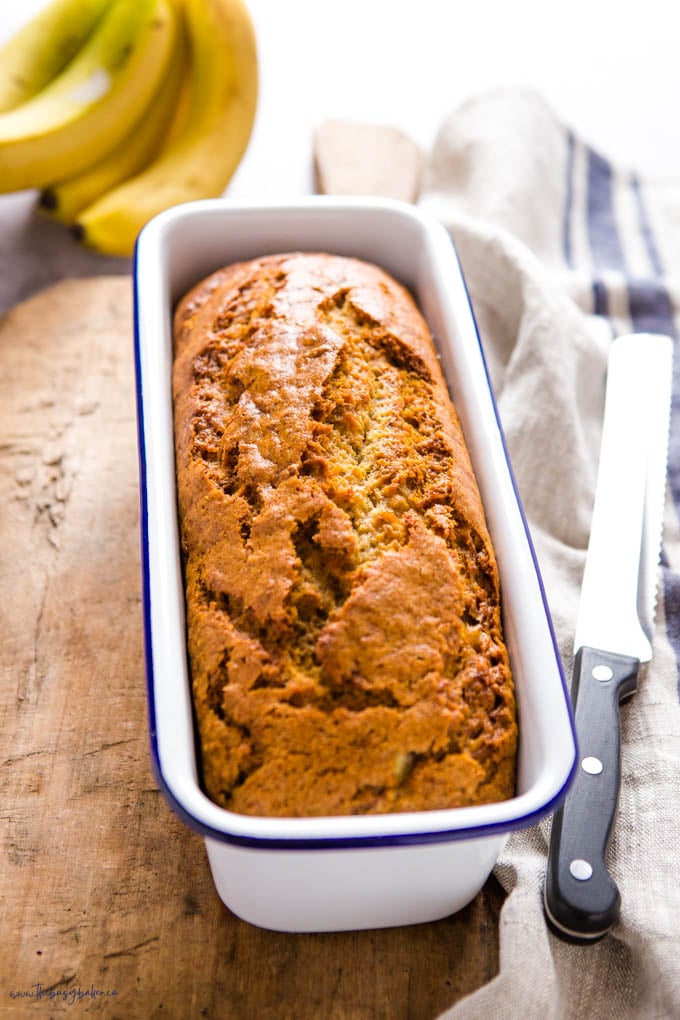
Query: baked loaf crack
343	612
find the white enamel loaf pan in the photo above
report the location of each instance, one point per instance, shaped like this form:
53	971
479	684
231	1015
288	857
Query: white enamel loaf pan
332	874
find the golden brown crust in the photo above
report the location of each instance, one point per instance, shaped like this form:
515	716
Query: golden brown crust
342	593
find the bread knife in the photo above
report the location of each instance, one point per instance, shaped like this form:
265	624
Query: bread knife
614	628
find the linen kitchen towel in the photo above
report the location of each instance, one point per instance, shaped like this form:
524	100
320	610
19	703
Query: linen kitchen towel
562	251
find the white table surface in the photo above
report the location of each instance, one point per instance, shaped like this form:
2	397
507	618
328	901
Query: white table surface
611	69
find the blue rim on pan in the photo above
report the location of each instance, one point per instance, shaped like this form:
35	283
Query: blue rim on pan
392	839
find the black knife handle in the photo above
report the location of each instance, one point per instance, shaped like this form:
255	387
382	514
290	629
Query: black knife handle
582	900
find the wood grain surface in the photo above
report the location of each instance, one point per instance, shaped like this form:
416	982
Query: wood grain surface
102	889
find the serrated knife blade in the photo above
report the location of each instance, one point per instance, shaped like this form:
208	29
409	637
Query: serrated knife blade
613	629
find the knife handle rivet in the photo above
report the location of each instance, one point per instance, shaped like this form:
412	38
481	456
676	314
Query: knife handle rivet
602	673
581	870
592	765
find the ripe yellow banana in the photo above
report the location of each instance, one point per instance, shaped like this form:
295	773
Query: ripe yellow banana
88	109
203	152
43	47
63	200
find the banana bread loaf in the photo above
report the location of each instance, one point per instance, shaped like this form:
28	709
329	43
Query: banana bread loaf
343	616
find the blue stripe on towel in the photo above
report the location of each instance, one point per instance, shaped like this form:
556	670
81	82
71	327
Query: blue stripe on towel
600	298
670	581
603	234
568	202
650	307
646	227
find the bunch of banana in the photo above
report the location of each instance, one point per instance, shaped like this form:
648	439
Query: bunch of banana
43	48
118	109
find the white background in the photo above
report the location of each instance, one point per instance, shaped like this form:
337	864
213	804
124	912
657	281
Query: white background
611	70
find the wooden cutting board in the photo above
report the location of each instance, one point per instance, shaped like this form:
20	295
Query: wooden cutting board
102	889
